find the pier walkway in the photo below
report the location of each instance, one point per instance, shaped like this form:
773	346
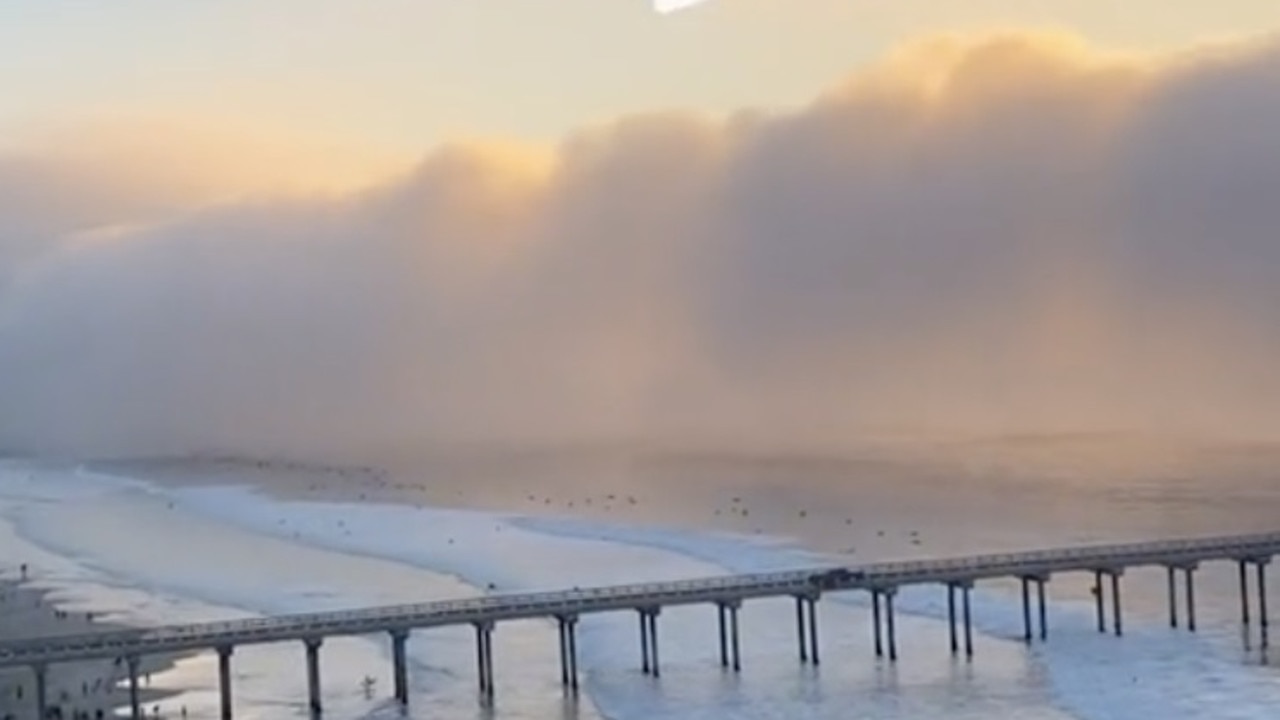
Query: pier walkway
806	585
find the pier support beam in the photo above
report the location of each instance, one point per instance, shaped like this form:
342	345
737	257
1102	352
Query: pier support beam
649	662
1263	621
886	632
1191	596
967	589
400	666
1026	610
313	675
734	645
484	660
1173	596
568	626
875	622
730	655
1244	597
1098	601
224	680
801	637
1043	607
890	627
1115	602
807	627
135	702
813	630
42	691
951	618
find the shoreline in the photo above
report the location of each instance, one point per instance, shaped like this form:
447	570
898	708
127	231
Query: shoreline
88	690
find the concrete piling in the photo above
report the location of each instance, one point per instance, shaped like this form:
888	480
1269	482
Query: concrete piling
313	675
400	665
568	625
484	660
1263	620
1191	597
890	626
649	641
730	652
800	630
42	691
951	617
875	622
1098	600
1115	602
1043	608
1026	610
224	680
135	702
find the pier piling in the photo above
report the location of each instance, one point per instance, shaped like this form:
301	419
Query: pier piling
1026	610
1043	608
722	613
800	630
1244	593
1191	597
568	627
730	656
655	666
1115	601
400	666
224	681
733	637
1263	620
42	691
135	702
649	641
313	675
890	628
1098	601
644	642
875	622
951	617
813	630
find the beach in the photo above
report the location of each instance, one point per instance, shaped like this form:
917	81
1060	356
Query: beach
92	689
278	536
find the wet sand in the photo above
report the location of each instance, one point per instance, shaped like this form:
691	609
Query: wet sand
91	689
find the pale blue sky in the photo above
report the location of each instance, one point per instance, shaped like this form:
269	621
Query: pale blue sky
405	73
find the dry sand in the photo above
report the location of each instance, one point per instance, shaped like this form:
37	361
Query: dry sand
91	689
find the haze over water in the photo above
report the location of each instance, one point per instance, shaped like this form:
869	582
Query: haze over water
844	278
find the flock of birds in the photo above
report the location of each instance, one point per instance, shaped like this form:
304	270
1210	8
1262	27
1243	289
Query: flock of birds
379	485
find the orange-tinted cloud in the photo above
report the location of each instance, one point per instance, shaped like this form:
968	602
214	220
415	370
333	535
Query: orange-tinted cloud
1015	233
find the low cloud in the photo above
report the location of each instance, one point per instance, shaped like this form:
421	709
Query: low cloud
1016	233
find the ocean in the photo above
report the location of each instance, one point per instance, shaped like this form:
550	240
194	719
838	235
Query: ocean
144	551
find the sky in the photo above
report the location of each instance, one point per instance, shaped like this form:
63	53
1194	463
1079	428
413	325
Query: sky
401	75
303	226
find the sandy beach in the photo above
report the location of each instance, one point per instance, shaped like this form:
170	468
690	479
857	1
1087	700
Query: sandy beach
75	690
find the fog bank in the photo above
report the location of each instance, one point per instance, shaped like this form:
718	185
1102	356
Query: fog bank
1011	234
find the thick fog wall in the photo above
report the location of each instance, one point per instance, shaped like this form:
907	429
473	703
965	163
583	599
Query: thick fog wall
1013	234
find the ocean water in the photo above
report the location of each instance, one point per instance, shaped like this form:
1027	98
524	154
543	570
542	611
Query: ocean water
151	554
